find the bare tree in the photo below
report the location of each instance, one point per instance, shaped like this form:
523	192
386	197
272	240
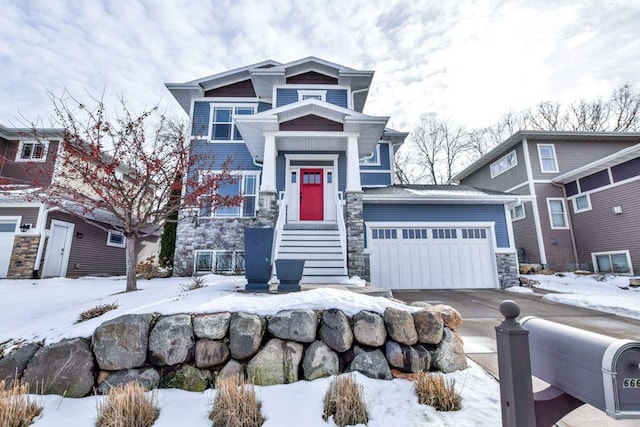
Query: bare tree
625	109
126	173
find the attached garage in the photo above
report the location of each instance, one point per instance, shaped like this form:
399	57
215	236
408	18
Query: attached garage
439	237
7	236
432	256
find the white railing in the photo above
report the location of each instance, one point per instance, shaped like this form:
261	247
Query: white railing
342	229
282	220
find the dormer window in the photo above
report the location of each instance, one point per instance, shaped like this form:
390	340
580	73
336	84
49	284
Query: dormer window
32	151
320	95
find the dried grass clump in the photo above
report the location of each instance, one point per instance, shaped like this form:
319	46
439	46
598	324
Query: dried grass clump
197	282
17	409
345	401
128	406
96	311
235	404
434	390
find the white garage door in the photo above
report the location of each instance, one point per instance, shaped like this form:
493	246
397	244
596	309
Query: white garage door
432	258
7	233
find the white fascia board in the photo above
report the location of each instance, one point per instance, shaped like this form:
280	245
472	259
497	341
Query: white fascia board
608	161
239	70
309	59
440	199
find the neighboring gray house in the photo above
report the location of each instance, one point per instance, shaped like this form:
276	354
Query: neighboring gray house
313	166
585	204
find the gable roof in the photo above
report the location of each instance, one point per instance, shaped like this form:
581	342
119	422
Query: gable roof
450	194
542	135
264	75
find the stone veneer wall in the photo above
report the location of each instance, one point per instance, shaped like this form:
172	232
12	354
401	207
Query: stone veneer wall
218	233
508	271
23	257
190	351
357	259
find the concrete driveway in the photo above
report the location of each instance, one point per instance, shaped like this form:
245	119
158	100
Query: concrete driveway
480	311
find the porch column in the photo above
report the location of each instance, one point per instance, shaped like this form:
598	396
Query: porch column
269	164
353	165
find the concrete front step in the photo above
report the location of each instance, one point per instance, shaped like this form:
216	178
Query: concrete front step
334	280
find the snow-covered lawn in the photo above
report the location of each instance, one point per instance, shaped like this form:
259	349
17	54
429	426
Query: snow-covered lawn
36	310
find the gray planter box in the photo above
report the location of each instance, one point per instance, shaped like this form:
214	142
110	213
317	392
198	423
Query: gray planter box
289	273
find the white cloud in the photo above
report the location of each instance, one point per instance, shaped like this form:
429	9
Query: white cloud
468	61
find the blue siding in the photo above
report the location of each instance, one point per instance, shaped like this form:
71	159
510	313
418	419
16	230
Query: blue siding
200	122
337	97
215	154
385	162
286	96
263	106
369	179
395	213
281	165
289	96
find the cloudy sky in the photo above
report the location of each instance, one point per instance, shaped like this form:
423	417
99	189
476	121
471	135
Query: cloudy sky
468	61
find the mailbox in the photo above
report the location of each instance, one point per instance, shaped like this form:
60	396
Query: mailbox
596	369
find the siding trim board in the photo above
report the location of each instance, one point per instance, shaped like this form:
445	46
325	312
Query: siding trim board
536	209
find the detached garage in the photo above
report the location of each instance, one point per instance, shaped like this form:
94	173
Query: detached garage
439	237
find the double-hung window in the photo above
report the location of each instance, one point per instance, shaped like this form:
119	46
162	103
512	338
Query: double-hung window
32	151
557	213
223	128
246	185
547	155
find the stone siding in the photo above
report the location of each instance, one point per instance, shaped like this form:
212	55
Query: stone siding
508	272
23	257
267	215
357	259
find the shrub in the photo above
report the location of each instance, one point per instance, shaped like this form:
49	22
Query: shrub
128	406
344	400
17	409
235	404
197	282
434	390
96	311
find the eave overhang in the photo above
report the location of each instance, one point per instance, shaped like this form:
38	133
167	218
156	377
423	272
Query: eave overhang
621	156
30	133
253	128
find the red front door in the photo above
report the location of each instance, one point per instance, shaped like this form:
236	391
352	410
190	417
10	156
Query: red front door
311	197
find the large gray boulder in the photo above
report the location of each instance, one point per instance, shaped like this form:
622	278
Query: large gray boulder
400	326
277	363
370	363
294	325
245	334
429	326
369	329
211	353
211	326
190	378
122	343
148	378
231	369
407	358
171	341
65	368
449	356
335	330
14	363
319	361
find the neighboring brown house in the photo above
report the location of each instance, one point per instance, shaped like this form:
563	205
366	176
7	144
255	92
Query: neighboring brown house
581	196
39	241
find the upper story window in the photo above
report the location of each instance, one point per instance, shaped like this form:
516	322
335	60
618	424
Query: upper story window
246	185
557	213
373	159
547	155
320	95
32	151
504	164
518	212
222	126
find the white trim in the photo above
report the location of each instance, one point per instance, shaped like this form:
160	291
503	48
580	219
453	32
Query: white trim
534	203
564	213
240	174
312	94
509	166
510	234
575	205
555	158
624	252
17	219
516	187
609	186
513	217
312	156
375	154
114	244
42	159
233	106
